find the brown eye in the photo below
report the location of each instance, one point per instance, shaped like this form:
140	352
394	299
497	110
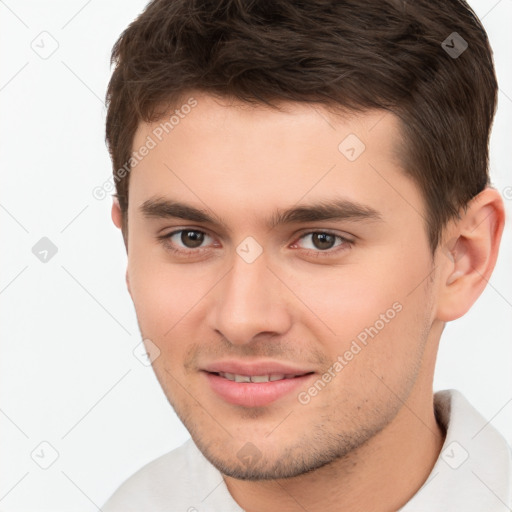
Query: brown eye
323	241
188	242
192	239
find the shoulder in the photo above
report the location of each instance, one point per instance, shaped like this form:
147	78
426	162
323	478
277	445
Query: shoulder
172	478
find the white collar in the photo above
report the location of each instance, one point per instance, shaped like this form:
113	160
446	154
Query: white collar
474	470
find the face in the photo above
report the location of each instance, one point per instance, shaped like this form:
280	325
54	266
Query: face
280	267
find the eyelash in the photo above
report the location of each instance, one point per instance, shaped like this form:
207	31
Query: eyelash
342	246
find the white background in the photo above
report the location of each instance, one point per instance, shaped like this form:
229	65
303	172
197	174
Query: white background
68	376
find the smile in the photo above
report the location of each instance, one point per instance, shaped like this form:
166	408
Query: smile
255	390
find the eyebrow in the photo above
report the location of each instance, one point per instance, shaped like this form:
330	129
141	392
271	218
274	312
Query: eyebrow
333	209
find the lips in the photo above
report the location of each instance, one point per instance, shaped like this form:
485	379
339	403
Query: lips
254	384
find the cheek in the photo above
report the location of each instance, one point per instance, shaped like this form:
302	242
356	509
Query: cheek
165	302
164	295
376	308
343	300
377	349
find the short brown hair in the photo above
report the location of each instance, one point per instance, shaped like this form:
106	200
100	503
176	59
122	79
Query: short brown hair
354	54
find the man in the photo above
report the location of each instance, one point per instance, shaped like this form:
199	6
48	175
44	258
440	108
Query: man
303	192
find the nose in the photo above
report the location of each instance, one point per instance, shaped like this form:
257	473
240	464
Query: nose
249	301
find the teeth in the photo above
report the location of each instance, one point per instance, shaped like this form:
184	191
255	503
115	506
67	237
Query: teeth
259	378
255	378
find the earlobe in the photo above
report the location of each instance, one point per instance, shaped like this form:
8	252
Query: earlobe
117	217
468	260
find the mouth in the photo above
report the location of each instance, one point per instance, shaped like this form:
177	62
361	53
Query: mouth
255	390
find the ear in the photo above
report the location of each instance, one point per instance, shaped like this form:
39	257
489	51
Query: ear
117	219
468	258
117	216
127	277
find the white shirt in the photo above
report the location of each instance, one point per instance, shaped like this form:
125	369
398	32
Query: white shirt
472	474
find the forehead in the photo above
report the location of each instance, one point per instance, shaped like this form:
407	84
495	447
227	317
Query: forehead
232	154
199	116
